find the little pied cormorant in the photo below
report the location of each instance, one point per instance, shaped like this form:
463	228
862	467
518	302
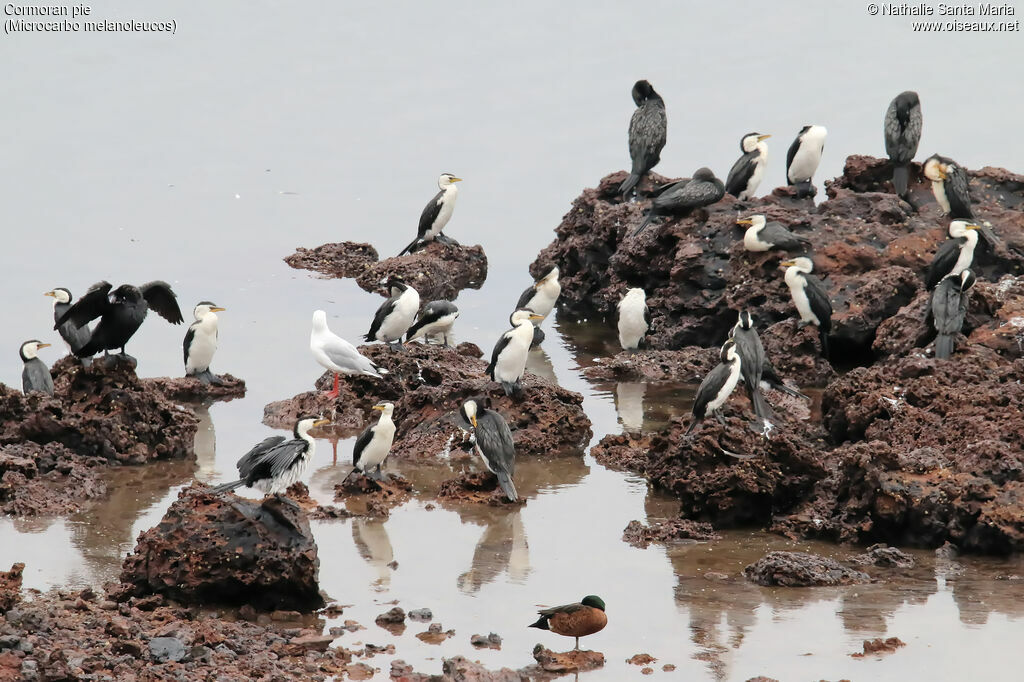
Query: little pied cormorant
764	236
717	386
574	620
436	319
201	343
437	212
540	298
679	198
337	355
647	134
121	312
395	315
35	376
75	337
803	158
752	361
508	359
747	172
374	443
493	444
275	464
955	255
950	186
809	297
947	310
634	319
902	134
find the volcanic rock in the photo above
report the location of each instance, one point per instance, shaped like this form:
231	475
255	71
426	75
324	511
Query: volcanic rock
10	587
573	661
222	549
344	259
798	569
674	530
885	556
476	488
688	365
67	481
192	390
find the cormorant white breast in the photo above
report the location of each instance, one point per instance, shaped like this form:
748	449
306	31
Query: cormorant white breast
948	308
679	198
374	443
395	315
803	158
717	386
809	297
747	172
35	375
540	298
950	186
437	212
337	355
764	236
75	337
634	319
647	133
493	444
436	319
508	359
955	255
275	464
201	343
902	134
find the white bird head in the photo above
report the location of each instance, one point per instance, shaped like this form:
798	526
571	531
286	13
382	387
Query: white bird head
960	228
319	321
802	264
756	221
307	422
468	411
447	179
60	295
752	141
30	349
204	308
934	169
524	316
386	409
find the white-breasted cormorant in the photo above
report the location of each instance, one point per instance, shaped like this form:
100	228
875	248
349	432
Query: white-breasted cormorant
717	386
437	212
35	376
508	359
337	355
752	361
493	444
747	172
395	315
947	310
679	198
764	236
634	319
275	464
647	133
121	312
803	158
954	255
809	297
541	297
902	134
374	443
436	319
201	343
75	337
950	186
574	620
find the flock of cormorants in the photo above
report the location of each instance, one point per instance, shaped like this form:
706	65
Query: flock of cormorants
274	464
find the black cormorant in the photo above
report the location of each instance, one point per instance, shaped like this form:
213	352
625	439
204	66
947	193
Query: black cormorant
647	133
337	355
764	236
681	197
395	315
809	297
374	443
508	359
275	464
201	343
35	376
437	212
493	443
436	319
803	158
902	133
717	386
747	172
75	337
947	310
954	255
752	361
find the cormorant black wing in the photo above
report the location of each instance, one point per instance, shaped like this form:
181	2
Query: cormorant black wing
378	319
701	193
740	174
751	352
162	300
647	135
189	335
495	440
87	308
498	348
709	388
777	235
647	316
364	439
790	155
949	307
251	459
942	264
429	215
820	305
524	298
958	193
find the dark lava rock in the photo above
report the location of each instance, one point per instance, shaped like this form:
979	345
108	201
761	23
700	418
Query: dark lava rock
10	587
392	620
475	488
421	615
688	365
436	271
163	649
191	390
47	480
344	259
490	641
219	548
574	661
884	556
427	384
797	569
674	530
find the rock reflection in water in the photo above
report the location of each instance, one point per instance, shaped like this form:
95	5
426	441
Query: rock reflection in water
374	545
205	444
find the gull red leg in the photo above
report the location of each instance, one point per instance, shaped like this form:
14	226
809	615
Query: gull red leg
333	393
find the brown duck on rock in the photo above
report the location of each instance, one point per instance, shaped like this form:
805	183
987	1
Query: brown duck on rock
574	620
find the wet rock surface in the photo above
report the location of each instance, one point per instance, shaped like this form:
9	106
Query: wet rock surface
10	587
475	488
192	390
367	497
884	556
688	365
798	569
436	271
238	552
428	384
873	647
673	530
342	259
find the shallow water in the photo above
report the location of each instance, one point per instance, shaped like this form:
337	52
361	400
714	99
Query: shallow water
205	157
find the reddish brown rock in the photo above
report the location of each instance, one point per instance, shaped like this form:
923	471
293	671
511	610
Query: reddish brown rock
641	659
364	496
436	271
66	484
476	488
687	365
344	259
879	646
428	384
191	390
673	530
574	661
238	552
798	569
10	587
884	556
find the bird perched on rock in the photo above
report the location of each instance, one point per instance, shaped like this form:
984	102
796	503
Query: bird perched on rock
634	319
947	310
679	198
803	158
201	343
74	336
508	359
950	186
540	299
35	375
764	236
437	212
748	171
752	361
337	355
276	463
120	311
583	618
902	134
955	255
809	297
493	444
717	386
374	443
436	319
647	134
395	315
